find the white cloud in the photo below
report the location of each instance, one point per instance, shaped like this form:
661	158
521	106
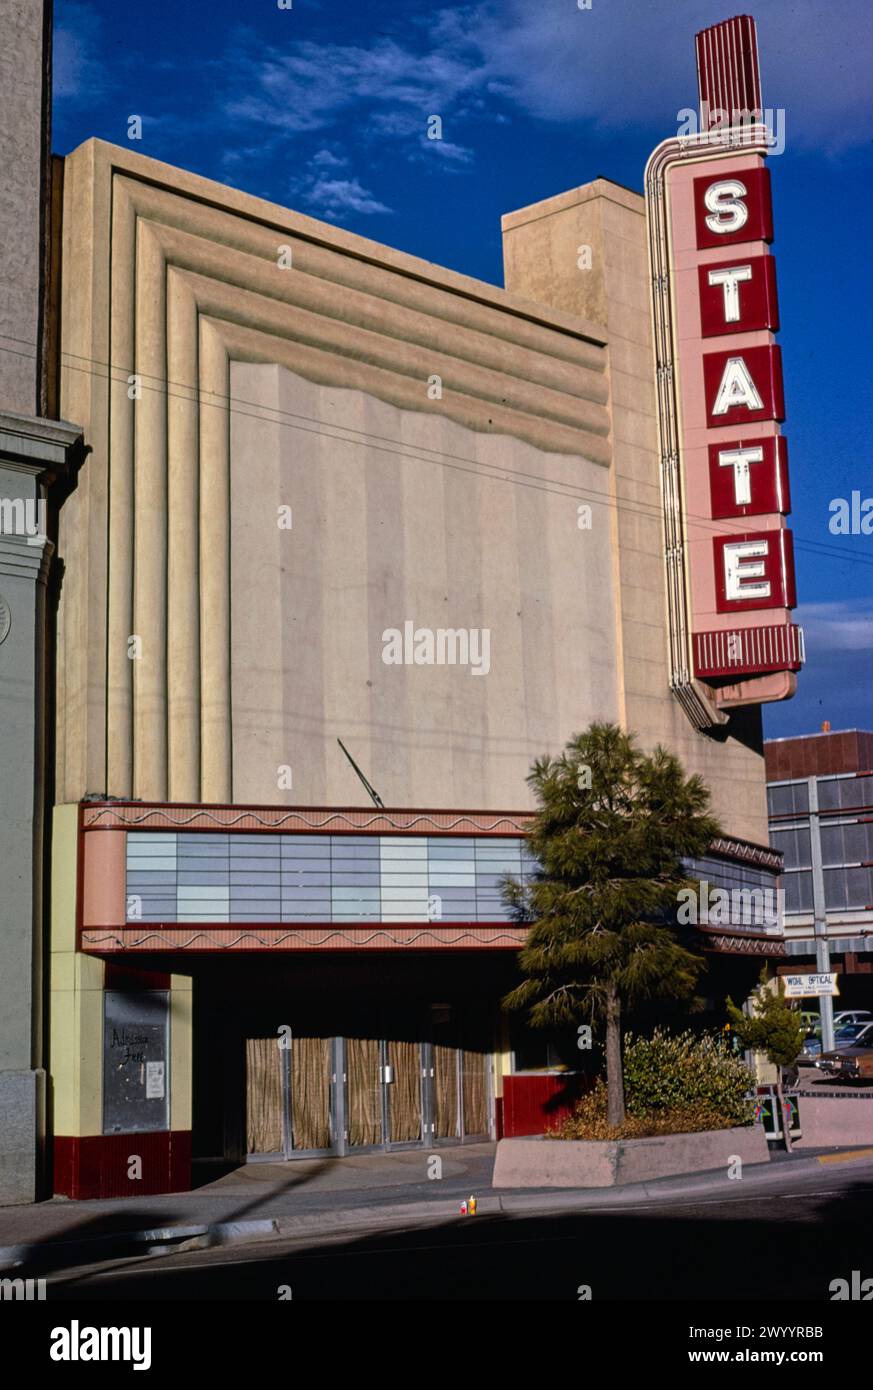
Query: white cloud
309	88
620	64
842	625
623	63
459	154
326	159
333	197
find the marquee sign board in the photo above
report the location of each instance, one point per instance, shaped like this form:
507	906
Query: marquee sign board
729	554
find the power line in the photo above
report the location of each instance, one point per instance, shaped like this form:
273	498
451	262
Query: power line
442	458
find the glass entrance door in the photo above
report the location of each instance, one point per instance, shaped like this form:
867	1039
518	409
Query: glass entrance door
363	1069
403	1092
290	1084
307	1094
265	1098
383	1093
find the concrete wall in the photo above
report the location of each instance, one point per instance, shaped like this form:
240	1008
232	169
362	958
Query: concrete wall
574	1163
398	516
826	1120
23	150
542	250
255	645
454	506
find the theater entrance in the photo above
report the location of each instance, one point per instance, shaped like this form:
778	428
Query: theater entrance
308	1095
341	1055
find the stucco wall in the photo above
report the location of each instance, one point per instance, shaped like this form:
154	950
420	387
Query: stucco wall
541	259
399	516
180	283
22	135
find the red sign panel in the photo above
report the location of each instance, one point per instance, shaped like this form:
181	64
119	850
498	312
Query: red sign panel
743	386
738	296
746	651
730	402
733	208
728	552
754	569
749	477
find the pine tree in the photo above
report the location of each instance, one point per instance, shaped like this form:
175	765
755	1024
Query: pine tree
773	1028
612	828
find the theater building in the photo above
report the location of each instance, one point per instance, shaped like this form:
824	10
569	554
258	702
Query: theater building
334	492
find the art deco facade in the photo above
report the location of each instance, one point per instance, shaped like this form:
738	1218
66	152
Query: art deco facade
317	490
299	442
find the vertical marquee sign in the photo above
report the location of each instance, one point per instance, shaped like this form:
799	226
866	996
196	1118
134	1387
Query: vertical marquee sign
724	461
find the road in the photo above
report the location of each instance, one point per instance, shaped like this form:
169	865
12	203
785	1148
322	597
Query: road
784	1238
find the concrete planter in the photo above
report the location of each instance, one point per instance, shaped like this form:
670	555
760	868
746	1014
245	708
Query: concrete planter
835	1119
541	1162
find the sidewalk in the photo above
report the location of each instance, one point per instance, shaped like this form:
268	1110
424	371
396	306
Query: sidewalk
260	1192
259	1201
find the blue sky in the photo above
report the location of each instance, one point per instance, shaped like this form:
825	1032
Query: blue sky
323	107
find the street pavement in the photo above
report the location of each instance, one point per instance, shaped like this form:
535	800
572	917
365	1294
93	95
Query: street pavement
320	1227
781	1232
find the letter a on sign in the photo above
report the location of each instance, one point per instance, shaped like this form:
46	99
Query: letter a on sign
743	386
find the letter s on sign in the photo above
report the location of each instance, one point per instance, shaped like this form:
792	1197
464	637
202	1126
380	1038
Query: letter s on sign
723	202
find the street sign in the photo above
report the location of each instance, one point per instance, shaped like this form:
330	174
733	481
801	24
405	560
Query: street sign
810	986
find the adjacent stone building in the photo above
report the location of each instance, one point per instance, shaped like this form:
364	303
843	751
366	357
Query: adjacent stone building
36	451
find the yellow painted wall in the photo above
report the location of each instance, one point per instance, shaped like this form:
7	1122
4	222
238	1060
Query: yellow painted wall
75	1061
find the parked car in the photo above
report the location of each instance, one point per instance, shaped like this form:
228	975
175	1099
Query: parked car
845	1034
846	1016
852	1058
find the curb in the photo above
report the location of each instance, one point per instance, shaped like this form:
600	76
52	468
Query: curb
160	1240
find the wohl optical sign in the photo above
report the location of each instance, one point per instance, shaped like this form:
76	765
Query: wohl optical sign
730	563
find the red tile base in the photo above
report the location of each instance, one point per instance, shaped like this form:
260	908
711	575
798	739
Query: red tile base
98	1165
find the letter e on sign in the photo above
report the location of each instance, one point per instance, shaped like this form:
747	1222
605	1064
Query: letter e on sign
730	208
754	569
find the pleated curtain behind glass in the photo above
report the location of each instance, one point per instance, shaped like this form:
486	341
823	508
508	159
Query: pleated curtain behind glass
310	1093
264	1100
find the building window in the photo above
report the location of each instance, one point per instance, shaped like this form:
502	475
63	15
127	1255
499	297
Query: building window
798	892
787	798
543	1049
793	843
